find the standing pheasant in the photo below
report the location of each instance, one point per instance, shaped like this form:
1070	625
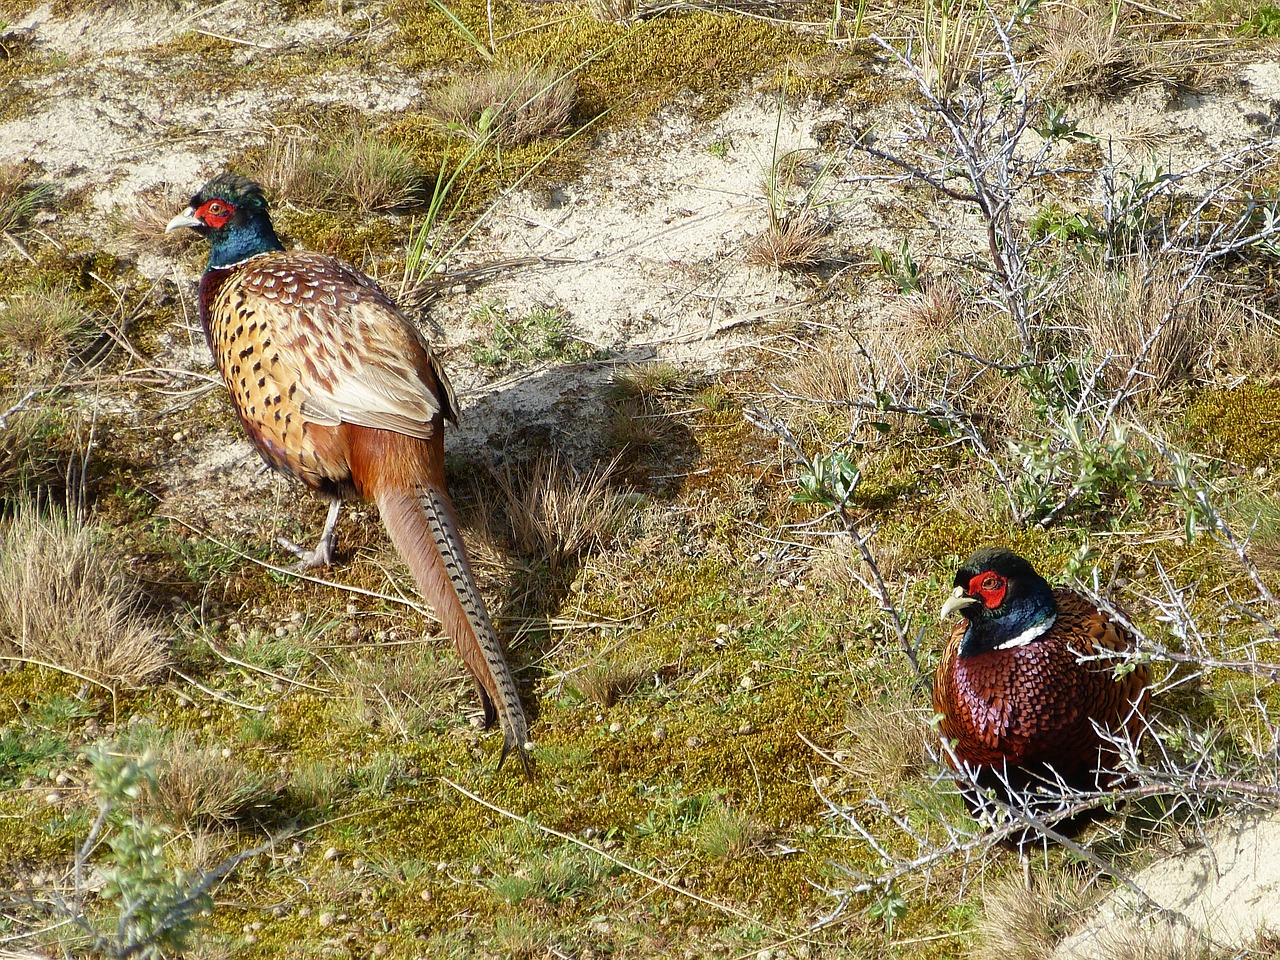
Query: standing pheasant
1016	700
335	387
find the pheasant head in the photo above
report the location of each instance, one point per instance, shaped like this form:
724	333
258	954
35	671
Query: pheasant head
1005	601
231	212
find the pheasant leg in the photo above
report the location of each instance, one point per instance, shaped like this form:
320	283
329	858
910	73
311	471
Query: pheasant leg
322	555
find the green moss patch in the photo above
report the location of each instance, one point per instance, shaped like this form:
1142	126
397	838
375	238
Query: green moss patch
629	70
1240	425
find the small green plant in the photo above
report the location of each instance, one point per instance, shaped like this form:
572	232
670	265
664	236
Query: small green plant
19	196
1053	222
830	480
1069	467
543	333
156	908
890	908
564	873
140	903
1263	22
26	752
901	269
673	811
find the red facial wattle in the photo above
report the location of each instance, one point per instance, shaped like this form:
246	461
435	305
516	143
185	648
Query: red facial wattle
990	588
215	213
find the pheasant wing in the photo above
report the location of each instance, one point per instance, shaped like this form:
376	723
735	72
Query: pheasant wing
364	363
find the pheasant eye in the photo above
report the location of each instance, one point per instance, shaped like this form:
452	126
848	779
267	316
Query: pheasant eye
990	583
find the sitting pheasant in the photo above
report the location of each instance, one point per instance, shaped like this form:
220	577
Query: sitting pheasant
335	387
1017	703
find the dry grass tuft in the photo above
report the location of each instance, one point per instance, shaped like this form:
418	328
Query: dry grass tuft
649	381
358	168
406	691
606	681
834	372
728	833
886	739
40	330
940	306
1021	924
507	104
65	601
1092	49
885	359
140	221
1141	315
1247	343
794	240
557	511
1125	941
203	786
613	11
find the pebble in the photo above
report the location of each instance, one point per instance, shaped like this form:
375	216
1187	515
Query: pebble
353	633
352	608
304	912
325	919
693	742
381	950
425	895
746	728
281	632
615	727
746	683
332	854
52	798
659	733
296	617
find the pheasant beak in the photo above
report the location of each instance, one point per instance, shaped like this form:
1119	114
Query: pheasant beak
956	602
185	219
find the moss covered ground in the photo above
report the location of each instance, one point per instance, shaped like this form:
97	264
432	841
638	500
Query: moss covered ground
706	679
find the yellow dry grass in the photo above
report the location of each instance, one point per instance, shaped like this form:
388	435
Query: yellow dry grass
66	602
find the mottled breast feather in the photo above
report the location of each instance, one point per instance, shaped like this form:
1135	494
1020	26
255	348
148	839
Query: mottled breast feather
307	343
1036	704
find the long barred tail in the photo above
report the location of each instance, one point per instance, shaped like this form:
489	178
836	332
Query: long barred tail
425	531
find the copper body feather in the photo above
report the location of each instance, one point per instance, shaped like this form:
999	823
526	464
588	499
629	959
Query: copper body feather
1026	707
336	387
